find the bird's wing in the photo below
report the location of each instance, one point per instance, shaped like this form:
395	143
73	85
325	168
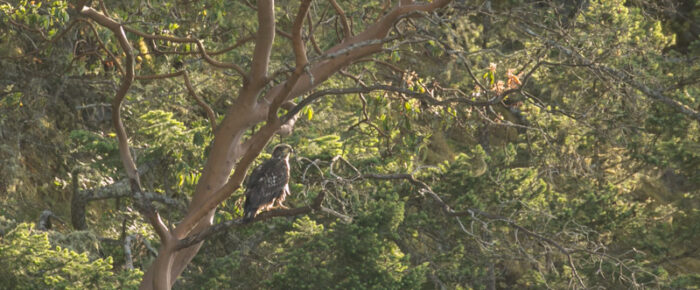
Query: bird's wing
266	182
274	175
255	175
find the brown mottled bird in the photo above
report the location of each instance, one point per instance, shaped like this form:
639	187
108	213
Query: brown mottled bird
268	185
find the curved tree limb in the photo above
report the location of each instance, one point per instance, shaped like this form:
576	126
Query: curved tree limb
300	59
216	63
108	22
160	76
263	43
124	152
238	43
207	109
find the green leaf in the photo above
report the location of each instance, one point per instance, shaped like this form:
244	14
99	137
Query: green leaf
309	113
395	56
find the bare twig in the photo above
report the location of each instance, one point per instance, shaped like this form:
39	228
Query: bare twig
200	101
472	212
622	77
347	32
428	98
128	256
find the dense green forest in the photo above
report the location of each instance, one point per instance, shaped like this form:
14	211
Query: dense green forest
467	144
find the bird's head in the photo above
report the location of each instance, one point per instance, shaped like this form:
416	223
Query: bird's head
282	151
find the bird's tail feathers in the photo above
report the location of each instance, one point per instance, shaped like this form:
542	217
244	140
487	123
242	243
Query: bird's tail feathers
248	216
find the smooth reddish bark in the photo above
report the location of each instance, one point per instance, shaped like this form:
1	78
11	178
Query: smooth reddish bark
229	150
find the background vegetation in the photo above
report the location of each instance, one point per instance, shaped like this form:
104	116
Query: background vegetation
585	173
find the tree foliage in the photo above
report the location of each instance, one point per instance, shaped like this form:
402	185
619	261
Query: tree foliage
476	144
29	261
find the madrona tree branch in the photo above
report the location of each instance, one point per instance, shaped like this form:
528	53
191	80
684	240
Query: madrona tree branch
123	143
300	60
229	150
295	86
200	237
263	43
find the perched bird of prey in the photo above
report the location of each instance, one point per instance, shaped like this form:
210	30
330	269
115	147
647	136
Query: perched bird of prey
268	185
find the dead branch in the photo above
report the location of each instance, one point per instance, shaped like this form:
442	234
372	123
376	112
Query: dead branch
344	218
237	44
128	256
129	262
44	223
161	76
120	189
